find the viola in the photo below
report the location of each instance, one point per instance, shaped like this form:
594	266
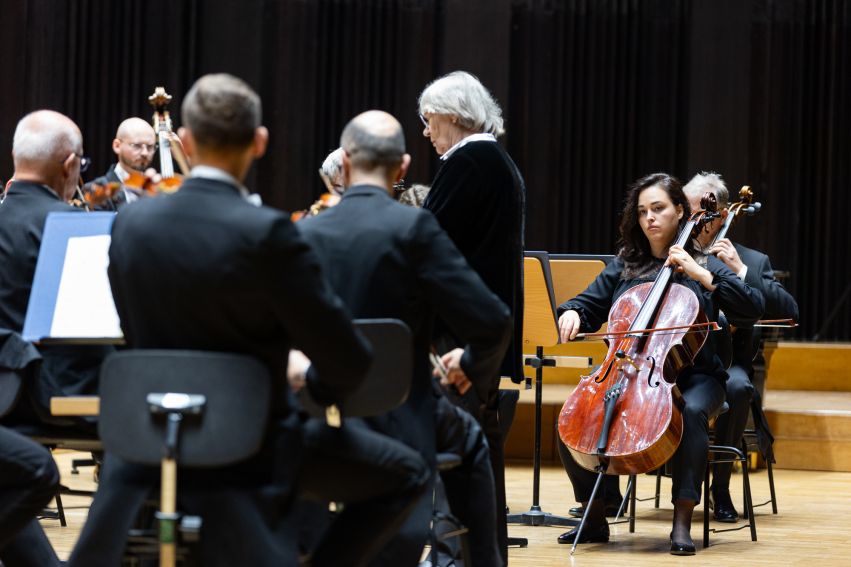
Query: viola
626	417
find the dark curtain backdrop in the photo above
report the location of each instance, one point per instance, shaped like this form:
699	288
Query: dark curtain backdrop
596	93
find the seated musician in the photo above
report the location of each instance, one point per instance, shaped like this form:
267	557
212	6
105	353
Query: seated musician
48	156
654	211
134	145
220	273
388	260
754	268
332	169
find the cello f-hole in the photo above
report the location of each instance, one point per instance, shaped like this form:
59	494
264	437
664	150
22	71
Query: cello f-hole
650	373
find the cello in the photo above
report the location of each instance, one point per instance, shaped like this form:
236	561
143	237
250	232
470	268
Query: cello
626	417
745	205
168	144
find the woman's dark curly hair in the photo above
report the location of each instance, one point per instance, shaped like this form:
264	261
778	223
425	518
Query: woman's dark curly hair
635	248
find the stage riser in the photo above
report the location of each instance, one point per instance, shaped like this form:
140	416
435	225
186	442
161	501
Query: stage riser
812	429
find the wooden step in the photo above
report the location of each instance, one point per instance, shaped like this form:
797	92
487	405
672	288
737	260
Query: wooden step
808	366
812	429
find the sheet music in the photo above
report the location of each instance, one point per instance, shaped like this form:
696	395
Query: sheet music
84	306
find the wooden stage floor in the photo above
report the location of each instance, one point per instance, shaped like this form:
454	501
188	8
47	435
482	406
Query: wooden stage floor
810	526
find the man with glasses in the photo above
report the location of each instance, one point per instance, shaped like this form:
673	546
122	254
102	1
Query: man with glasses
47	151
134	146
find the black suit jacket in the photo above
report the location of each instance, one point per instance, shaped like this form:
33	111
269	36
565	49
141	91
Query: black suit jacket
779	304
66	370
204	269
478	197
120	198
389	260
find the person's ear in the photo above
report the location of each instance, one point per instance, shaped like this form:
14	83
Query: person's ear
724	214
188	141
403	167
346	169
261	142
680	211
116	146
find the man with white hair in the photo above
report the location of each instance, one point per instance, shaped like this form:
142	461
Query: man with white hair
134	145
48	154
754	268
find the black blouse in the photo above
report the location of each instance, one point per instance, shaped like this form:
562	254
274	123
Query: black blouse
740	303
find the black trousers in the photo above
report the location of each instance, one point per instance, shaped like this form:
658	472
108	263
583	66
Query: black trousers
730	426
245	507
467	491
469	488
28	481
703	395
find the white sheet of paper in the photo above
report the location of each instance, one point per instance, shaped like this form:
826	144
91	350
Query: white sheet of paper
84	306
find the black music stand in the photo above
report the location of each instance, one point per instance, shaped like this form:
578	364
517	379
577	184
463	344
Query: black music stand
540	329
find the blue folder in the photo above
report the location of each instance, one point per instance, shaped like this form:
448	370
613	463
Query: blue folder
59	228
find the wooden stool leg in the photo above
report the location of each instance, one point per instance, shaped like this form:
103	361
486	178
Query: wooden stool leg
168	506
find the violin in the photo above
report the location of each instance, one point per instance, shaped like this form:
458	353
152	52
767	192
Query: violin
326	200
626	417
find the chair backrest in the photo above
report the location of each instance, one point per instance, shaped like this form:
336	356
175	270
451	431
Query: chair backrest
388	381
539	310
573	272
234	420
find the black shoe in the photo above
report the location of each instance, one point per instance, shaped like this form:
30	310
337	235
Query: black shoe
722	506
611	511
682	548
591	534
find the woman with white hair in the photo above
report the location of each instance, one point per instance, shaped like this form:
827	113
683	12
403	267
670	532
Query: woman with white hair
478	196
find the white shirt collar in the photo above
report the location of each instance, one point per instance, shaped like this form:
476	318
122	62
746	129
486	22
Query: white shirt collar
121	173
216	174
480	137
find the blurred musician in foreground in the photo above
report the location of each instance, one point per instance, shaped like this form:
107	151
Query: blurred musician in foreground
478	197
655	210
135	145
388	260
754	268
204	268
48	154
28	481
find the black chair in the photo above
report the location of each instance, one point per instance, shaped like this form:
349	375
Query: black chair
388	381
178	407
716	454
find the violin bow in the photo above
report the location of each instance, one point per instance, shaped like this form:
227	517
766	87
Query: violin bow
709	325
777	323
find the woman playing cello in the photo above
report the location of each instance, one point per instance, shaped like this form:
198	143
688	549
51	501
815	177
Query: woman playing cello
654	212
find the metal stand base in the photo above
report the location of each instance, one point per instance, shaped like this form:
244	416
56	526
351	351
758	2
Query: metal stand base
536	517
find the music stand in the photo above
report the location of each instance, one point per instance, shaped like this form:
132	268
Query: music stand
540	329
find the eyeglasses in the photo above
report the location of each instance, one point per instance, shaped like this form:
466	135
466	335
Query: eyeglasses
150	148
424	120
85	162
